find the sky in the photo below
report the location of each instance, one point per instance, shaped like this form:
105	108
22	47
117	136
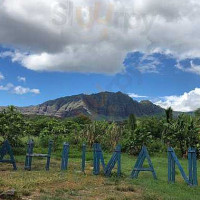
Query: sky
148	49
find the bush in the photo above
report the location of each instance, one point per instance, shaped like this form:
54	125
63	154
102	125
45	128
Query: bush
44	139
157	147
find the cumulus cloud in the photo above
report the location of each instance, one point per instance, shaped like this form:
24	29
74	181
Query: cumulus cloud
18	89
22	90
94	36
133	95
21	79
1	76
189	101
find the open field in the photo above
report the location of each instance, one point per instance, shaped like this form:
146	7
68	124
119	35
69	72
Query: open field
73	184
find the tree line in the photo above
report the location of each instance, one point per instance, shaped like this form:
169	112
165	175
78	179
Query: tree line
155	132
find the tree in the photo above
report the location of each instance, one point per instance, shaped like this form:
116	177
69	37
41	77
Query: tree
148	131
54	130
94	132
132	122
197	113
82	119
182	133
169	114
111	136
12	125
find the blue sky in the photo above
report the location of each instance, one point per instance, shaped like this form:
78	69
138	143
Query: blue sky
147	49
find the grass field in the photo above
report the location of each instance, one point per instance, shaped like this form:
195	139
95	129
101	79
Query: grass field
73	184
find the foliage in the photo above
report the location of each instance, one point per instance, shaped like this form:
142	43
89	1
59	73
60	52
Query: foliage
154	132
182	133
12	125
197	113
169	114
54	130
112	136
94	132
148	130
132	122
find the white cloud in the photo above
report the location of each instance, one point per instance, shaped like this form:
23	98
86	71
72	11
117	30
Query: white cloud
21	79
187	102
1	76
148	64
133	95
35	91
44	38
6	87
22	90
18	89
195	69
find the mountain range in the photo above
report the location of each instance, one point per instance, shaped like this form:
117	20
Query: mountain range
103	105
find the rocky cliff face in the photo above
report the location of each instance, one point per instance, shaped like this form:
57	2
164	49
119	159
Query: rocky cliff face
104	105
